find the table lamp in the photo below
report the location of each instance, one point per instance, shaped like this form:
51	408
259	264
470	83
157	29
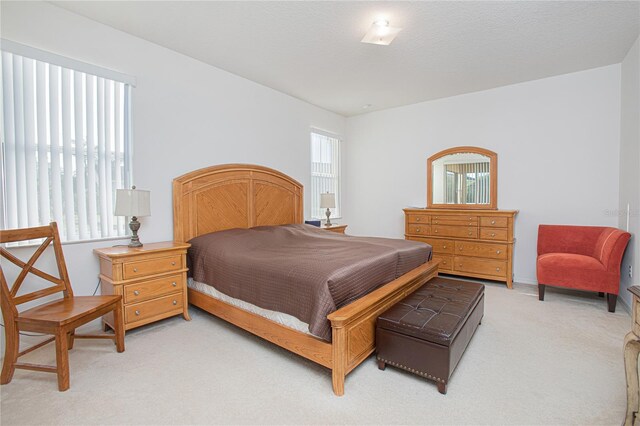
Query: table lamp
328	201
134	203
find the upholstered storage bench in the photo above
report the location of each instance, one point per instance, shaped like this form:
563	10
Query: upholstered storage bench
427	332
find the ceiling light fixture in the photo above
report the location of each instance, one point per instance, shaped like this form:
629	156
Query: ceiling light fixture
380	33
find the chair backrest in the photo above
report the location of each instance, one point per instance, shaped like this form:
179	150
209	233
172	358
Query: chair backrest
10	298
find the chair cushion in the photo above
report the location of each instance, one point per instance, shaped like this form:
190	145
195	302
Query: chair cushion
574	271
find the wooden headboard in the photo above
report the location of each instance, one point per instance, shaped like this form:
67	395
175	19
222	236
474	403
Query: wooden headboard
233	196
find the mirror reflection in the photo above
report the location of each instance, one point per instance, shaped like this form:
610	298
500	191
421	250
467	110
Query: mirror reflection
461	178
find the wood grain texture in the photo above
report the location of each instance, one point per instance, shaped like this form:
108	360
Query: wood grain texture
470	243
273	198
493	173
59	318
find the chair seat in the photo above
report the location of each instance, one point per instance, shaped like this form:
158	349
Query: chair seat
570	260
67	310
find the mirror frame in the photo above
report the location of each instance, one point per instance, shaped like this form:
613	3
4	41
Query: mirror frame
493	175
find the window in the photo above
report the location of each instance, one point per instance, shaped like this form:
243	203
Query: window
325	171
65	131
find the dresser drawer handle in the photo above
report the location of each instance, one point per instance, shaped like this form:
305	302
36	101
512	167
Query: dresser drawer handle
470	233
470	218
436	217
135	269
173	263
493	222
436	222
498	269
175	302
460	248
436	231
498	252
417	229
174	284
444	262
136	293
137	312
493	234
418	219
444	247
460	265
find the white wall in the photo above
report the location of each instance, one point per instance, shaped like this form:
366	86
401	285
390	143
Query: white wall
557	141
186	115
630	166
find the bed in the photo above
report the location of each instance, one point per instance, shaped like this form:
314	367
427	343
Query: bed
242	196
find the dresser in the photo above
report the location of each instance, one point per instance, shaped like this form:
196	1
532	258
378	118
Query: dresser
470	243
631	351
152	280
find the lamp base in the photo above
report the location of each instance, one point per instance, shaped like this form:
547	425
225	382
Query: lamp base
328	213
134	225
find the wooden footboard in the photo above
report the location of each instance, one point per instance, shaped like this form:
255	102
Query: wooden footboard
353	327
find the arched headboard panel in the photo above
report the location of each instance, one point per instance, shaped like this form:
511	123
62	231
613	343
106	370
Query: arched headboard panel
233	196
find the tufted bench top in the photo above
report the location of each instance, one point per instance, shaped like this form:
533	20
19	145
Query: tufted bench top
435	312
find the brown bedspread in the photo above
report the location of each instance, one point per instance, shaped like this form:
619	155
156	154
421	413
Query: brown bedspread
300	270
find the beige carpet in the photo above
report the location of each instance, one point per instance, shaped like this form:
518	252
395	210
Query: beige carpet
555	362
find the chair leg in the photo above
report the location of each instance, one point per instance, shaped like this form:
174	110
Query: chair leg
611	301
72	338
119	327
541	288
11	350
62	360
600	294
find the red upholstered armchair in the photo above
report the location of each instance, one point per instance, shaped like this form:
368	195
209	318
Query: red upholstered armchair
581	257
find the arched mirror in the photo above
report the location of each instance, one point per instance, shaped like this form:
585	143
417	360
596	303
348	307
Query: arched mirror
464	177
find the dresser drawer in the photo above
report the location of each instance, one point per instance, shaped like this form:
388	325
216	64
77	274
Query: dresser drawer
454	231
152	266
154	288
495	268
495	222
455	220
152	308
418	218
446	262
496	234
419	229
440	246
491	251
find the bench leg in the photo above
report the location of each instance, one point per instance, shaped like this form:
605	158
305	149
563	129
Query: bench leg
381	364
442	388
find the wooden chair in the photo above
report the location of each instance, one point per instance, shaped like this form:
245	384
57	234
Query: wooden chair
59	317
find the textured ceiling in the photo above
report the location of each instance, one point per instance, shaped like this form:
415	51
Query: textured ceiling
312	50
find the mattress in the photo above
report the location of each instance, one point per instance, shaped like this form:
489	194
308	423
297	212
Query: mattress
300	270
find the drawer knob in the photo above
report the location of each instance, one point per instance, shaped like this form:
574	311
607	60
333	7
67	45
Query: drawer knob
175	302
493	222
444	247
136	293
470	218
173	263
174	284
436	222
469	233
417	229
493	234
436	217
135	269
460	248
444	262
498	269
436	231
137	312
460	265
498	252
417	219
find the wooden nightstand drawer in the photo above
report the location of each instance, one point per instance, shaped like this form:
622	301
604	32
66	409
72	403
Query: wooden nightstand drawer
151	289
486	250
497	222
153	308
419	229
152	266
493	234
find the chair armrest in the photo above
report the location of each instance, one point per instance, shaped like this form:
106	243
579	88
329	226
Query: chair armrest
611	249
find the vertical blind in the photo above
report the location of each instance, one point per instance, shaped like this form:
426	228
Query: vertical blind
325	171
467	183
65	148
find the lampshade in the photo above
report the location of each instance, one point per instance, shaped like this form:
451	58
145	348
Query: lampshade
327	200
132	202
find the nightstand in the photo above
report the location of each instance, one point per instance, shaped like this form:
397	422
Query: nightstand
335	228
152	280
